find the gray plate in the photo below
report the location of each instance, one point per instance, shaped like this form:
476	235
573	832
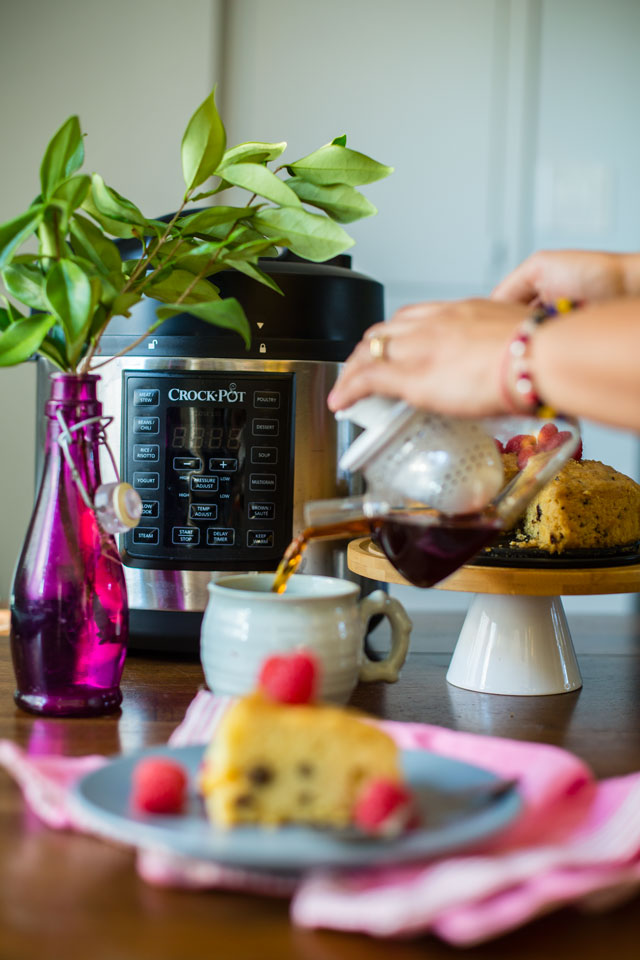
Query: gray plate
105	793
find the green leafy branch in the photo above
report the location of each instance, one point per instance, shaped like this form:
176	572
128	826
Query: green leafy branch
77	281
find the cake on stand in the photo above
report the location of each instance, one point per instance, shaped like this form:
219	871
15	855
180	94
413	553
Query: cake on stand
515	639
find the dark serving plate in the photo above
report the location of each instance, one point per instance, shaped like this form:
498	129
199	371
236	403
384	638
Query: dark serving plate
503	555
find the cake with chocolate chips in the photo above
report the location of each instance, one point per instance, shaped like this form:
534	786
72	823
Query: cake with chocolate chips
587	508
279	757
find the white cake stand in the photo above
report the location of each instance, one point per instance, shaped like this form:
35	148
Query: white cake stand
515	639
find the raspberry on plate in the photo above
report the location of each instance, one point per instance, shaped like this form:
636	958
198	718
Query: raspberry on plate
289	678
158	786
384	807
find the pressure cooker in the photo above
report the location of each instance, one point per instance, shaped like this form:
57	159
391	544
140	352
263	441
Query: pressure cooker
224	444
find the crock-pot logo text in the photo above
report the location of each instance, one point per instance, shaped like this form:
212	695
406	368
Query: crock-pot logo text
229	395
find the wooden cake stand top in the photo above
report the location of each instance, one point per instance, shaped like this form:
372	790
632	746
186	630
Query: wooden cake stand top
367	560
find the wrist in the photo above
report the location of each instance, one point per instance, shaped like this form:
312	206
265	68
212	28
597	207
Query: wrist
629	265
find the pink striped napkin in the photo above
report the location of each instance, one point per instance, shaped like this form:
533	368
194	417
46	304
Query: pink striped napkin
576	842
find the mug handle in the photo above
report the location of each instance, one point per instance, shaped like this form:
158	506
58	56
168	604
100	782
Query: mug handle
389	668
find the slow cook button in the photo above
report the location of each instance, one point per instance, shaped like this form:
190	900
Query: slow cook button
146	424
146	451
146	535
150	508
185	536
264	454
146	481
259	538
203	511
262	481
266	399
221	537
146	398
262	511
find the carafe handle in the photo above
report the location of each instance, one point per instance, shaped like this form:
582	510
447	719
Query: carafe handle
388	669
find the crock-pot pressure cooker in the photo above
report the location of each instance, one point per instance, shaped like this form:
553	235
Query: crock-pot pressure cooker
225	445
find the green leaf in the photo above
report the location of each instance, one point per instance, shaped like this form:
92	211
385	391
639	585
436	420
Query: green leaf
122	304
20	340
342	202
63	156
340	141
109	203
72	191
258	179
244	266
173	287
307	234
334	163
25	283
54	348
71	296
202	221
90	242
252	153
15	232
203	143
225	313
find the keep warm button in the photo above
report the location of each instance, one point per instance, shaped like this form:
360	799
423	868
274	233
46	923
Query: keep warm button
259	538
264	454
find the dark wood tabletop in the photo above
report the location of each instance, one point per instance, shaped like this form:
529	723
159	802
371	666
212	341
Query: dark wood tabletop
64	895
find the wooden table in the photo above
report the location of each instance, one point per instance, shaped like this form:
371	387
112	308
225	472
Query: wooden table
64	896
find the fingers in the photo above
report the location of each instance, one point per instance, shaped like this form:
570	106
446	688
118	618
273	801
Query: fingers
518	287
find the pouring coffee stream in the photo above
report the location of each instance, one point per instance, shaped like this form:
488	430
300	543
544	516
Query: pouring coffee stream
436	493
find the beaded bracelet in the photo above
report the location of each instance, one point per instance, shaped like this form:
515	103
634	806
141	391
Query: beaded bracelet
517	382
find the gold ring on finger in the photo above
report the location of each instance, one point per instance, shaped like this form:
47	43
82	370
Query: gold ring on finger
378	347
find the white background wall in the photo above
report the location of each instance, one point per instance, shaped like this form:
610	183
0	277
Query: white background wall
511	125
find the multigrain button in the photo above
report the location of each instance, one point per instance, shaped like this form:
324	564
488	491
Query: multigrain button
146	424
266	399
146	481
259	538
265	428
146	398
146	451
262	481
146	535
264	454
185	536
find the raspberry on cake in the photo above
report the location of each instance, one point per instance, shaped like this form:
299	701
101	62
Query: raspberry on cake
273	761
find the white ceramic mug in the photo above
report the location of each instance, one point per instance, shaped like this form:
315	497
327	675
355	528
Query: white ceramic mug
245	623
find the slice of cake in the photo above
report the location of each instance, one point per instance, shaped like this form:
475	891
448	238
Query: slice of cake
273	762
587	506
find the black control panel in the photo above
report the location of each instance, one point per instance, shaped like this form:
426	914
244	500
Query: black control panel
211	455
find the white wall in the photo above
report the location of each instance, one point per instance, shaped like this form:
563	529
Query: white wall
511	124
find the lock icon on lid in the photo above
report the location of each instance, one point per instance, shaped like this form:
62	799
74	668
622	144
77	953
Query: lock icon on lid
263	348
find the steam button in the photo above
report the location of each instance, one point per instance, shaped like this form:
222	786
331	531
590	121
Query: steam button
146	535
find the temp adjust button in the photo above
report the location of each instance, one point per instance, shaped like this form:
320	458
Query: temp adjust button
262	481
259	538
146	451
203	511
185	536
146	398
221	537
146	535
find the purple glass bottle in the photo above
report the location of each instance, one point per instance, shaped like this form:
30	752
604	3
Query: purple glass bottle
69	614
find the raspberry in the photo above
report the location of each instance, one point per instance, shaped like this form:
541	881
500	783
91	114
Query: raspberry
384	807
577	453
515	444
524	454
289	679
159	786
499	445
546	435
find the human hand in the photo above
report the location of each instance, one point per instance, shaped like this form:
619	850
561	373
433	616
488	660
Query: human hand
550	275
445	357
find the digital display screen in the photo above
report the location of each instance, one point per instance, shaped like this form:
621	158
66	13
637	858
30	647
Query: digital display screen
206	430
